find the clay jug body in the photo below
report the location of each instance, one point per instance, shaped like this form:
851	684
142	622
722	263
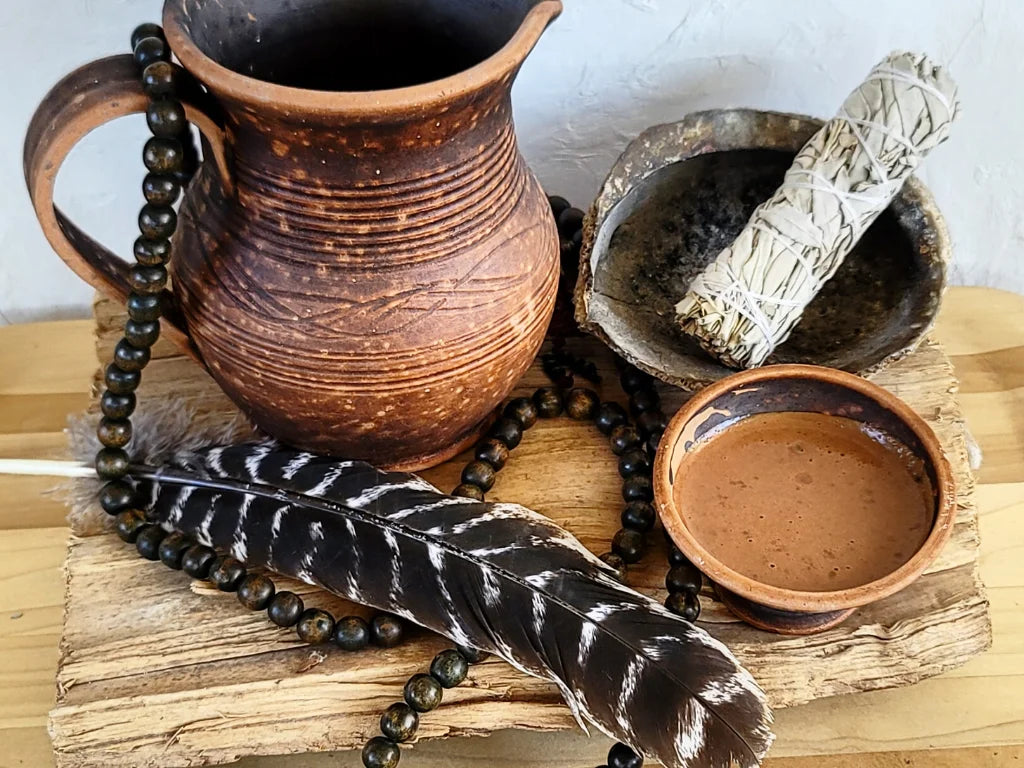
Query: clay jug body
364	262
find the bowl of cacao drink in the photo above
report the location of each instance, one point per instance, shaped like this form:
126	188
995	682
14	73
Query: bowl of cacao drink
803	492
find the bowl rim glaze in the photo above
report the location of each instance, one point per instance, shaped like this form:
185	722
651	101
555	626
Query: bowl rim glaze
790	599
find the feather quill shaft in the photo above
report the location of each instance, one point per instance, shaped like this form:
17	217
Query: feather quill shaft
492	576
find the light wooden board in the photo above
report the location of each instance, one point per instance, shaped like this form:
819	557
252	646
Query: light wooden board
954	724
213	686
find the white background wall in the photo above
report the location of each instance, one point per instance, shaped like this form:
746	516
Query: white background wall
606	70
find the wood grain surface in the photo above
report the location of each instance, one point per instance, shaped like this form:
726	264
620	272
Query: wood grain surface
979	704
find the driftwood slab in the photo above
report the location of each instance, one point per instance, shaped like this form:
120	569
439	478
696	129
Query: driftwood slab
155	672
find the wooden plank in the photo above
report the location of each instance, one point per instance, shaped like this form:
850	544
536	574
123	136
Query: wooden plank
509	749
55	348
980	320
184	676
31	608
974	323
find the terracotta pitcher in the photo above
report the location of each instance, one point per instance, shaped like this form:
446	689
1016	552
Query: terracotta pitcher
363	262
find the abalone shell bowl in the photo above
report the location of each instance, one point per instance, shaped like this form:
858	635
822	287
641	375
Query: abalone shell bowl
681	192
799	388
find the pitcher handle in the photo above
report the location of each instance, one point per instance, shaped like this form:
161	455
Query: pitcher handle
90	96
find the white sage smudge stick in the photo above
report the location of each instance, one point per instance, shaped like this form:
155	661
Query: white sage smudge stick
748	300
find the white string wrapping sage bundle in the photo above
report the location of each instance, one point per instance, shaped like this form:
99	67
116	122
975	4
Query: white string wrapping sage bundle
746	302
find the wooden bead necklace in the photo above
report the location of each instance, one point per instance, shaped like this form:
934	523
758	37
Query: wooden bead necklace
171	159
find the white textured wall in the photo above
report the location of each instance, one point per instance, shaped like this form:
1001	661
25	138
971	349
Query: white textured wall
604	71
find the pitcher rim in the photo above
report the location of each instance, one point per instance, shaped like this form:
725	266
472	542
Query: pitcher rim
422	96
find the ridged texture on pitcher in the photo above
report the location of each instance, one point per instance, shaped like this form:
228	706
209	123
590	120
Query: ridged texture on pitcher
370	293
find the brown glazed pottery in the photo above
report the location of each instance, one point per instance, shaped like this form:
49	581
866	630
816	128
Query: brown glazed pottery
364	262
681	192
788	390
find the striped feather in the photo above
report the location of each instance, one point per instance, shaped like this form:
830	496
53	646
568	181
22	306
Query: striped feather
497	577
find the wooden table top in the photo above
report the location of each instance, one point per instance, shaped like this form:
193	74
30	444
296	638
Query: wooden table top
973	716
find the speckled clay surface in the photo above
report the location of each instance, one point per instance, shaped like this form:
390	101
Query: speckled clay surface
681	192
369	267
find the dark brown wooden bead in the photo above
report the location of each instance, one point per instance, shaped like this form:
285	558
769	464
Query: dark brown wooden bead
633	380
575	244
650	422
522	410
675	555
197	561
352	633
562	378
160	189
653	441
163	155
120	381
256	591
471	655
166	117
226	573
128	524
146	30
558	205
116	496
480	474
570	220
380	753
634	462
423	693
157	222
112	463
144	308
149	280
141	334
285	609
399	722
386	630
581	404
609	416
685	604
114	433
315	626
173	548
130	358
629	545
637	488
449	668
548	401
468	491
150	49
623	438
160	78
152	252
147	542
644	400
493	451
638	516
621	756
508	431
616	563
115	406
683	578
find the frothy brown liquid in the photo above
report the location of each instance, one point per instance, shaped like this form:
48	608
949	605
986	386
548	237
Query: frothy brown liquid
805	501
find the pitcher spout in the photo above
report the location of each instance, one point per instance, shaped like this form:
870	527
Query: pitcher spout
537	19
400	59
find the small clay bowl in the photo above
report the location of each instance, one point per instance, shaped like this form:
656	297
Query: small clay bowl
682	192
808	389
